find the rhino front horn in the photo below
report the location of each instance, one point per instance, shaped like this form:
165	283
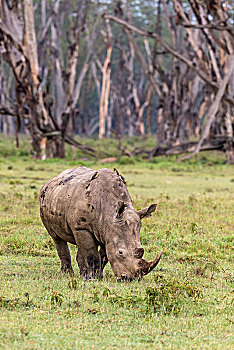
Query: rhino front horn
149	266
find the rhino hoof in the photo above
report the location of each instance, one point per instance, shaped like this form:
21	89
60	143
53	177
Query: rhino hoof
67	269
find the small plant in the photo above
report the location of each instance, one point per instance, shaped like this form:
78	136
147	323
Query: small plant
129	300
15	182
73	284
95	296
192	199
168	296
92	311
18	195
30	168
16	302
56	299
9	303
195	228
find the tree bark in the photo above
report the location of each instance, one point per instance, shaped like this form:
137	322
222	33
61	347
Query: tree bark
215	106
106	72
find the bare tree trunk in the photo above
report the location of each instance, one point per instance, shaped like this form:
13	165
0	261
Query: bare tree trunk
215	106
130	122
95	77
109	118
149	114
140	124
160	127
60	93
106	72
54	146
73	86
200	116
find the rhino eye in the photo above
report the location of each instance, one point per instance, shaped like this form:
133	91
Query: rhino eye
121	253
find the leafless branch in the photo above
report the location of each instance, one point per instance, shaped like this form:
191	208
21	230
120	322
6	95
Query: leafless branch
175	53
209	26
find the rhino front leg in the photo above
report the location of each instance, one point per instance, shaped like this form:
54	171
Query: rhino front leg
88	257
104	259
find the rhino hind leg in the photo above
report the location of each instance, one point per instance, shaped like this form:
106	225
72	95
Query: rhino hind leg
88	257
63	253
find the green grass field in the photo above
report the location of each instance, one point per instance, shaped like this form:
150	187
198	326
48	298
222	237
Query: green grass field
185	303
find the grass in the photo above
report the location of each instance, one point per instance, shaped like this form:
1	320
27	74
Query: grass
186	303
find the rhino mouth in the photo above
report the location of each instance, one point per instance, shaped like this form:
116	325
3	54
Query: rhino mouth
124	278
145	267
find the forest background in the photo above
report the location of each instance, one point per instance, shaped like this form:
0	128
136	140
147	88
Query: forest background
117	68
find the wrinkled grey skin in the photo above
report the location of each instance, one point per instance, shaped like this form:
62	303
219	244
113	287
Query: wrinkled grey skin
94	210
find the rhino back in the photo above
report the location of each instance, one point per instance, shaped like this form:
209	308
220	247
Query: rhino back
56	197
82	198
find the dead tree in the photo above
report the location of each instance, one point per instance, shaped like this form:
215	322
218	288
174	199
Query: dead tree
7	123
136	99
34	102
20	51
106	79
214	53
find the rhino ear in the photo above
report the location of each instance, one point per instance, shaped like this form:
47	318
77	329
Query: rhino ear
120	208
146	212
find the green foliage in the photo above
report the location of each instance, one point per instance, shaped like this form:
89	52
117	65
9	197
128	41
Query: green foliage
73	284
11	304
167	297
56	298
126	161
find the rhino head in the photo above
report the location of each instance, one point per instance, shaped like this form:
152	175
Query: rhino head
123	247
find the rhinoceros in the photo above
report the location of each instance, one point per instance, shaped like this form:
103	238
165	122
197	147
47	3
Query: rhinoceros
93	210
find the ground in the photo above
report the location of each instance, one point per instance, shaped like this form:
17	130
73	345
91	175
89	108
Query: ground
185	303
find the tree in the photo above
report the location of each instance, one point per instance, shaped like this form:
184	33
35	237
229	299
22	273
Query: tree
33	103
106	80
